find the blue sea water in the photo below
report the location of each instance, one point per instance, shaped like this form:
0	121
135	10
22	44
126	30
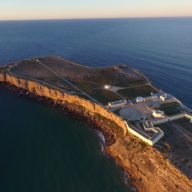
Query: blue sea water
36	152
160	47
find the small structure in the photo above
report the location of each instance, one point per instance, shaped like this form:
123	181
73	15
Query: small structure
158	114
163	97
119	103
139	99
107	86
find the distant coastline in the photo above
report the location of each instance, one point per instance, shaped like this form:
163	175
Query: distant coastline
97	18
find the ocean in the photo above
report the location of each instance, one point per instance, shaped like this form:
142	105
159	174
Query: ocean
43	149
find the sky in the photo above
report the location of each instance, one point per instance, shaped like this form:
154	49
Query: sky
67	9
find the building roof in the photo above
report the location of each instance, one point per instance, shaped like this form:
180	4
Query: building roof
139	98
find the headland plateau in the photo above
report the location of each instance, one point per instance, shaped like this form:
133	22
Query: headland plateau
148	132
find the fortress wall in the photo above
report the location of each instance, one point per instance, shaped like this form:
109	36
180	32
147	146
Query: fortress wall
56	95
165	120
188	116
40	89
150	142
172	118
157	136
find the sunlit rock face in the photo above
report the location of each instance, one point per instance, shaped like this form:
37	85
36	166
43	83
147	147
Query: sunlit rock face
148	169
41	90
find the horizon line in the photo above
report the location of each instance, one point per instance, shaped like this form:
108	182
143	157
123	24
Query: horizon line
94	18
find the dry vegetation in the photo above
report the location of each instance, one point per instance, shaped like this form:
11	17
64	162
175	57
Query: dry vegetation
95	76
176	145
88	79
131	93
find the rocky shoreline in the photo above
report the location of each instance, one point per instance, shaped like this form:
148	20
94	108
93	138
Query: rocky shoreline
73	111
77	115
147	168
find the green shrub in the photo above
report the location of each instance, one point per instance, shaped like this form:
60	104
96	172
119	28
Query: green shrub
172	108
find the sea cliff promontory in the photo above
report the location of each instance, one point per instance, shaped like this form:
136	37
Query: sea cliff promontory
88	92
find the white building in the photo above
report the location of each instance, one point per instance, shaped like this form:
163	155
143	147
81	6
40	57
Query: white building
139	99
163	97
158	114
119	103
107	86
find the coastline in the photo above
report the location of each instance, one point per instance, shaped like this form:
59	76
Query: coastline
140	177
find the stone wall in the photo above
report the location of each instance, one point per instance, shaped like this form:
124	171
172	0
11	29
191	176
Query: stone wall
171	118
149	140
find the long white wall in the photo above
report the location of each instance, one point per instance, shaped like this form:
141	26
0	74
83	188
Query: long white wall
172	118
149	140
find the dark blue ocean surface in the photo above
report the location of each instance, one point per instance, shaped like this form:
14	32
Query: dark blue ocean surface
160	47
44	150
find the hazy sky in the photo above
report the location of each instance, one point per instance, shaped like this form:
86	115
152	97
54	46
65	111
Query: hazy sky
58	9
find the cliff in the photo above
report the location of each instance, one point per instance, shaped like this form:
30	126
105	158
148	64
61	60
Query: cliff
93	110
148	170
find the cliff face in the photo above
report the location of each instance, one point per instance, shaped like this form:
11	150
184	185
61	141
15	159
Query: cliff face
41	90
148	170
